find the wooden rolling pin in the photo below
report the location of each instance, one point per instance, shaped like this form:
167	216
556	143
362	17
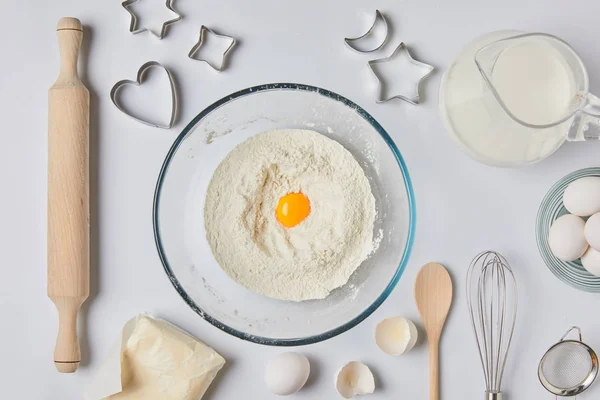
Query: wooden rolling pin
68	195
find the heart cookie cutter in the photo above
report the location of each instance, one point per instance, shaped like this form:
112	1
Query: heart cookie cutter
203	31
139	80
133	28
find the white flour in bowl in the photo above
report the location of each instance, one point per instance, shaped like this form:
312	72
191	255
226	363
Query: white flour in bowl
314	257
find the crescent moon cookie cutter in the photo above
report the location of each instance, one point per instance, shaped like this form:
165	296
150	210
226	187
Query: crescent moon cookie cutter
133	25
204	30
138	82
379	18
423	71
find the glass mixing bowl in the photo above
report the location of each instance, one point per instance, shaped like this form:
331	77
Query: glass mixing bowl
178	214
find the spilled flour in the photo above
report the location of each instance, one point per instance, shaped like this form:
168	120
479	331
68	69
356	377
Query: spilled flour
314	257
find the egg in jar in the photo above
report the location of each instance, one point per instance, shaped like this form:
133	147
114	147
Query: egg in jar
582	196
592	231
566	239
591	261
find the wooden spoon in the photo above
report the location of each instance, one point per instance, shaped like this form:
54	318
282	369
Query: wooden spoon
433	295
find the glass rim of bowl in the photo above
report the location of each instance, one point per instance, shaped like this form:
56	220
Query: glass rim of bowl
363	314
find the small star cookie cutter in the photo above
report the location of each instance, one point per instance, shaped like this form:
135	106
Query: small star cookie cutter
379	19
133	28
203	31
425	70
139	80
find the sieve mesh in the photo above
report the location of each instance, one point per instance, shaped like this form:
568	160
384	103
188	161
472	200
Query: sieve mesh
566	365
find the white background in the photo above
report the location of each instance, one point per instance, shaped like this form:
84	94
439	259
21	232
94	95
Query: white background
462	206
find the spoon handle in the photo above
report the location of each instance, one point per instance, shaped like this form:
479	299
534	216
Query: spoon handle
434	372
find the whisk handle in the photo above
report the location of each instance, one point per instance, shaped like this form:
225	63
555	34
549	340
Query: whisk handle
493	396
434	370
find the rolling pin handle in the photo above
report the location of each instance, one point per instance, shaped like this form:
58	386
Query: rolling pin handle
70	34
67	353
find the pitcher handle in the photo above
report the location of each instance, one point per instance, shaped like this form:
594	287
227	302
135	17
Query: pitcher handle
586	124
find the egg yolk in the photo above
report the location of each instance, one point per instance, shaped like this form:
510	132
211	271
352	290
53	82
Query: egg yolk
292	209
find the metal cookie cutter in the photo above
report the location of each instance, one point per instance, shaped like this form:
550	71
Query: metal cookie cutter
203	31
423	71
133	24
379	19
139	80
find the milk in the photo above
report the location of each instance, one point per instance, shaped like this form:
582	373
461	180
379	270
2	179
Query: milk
536	86
534	82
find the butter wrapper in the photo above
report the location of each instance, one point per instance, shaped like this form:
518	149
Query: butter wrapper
154	360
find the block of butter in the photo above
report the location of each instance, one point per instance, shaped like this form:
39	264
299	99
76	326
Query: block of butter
155	360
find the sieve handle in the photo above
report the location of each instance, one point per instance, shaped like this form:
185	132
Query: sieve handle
571	329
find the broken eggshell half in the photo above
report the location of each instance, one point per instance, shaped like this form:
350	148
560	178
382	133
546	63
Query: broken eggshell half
353	379
396	335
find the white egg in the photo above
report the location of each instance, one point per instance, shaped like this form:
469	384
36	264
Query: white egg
591	261
582	197
592	231
286	373
396	335
353	379
566	238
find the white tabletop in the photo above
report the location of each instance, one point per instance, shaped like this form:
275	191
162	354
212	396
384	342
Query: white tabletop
462	206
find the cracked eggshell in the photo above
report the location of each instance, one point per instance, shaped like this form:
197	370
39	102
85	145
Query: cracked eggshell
396	335
353	379
286	373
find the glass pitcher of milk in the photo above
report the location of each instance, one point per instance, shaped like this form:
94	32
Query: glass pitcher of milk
511	98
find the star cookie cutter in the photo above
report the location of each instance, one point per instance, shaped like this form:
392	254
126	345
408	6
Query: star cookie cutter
203	31
425	70
379	19
139	80
133	28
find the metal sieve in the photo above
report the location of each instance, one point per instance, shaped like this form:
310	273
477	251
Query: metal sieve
569	367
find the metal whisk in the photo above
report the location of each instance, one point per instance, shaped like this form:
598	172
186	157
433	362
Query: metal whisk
492	301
